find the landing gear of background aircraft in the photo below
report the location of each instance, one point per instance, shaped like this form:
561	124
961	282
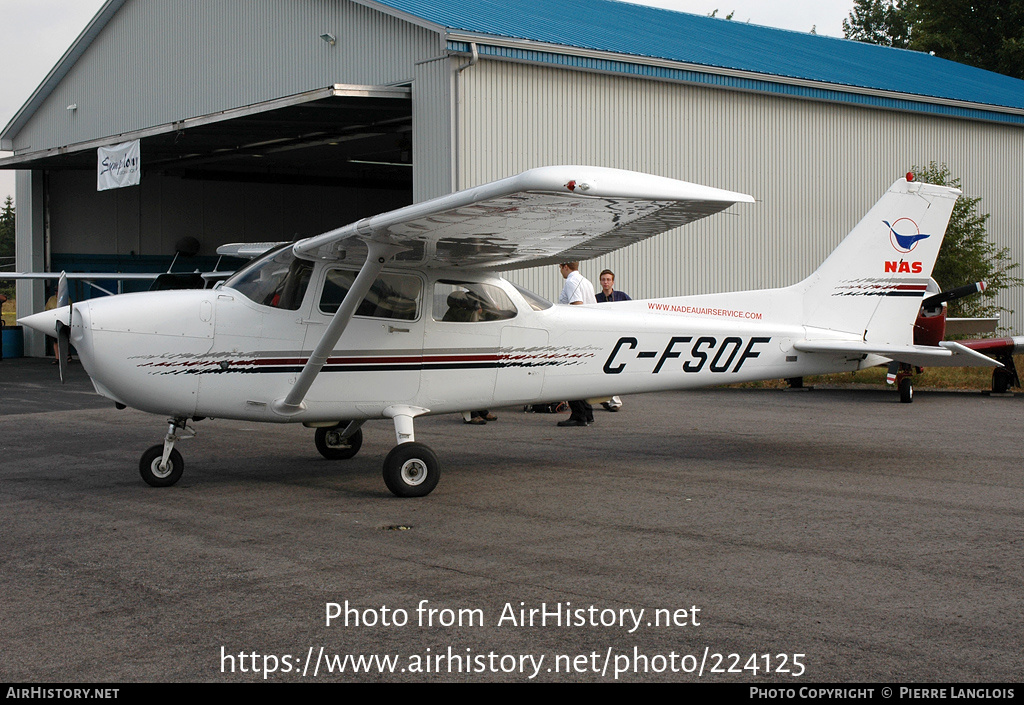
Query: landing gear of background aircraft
902	374
411	470
1002	380
162	465
339	442
906	385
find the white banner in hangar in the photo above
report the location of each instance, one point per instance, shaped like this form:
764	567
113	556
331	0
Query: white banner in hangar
118	166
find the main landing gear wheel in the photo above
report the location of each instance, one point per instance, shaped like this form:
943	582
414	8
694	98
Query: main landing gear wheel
411	470
156	476
906	390
331	445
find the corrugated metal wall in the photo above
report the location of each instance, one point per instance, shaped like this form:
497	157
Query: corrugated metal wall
815	168
432	139
158	61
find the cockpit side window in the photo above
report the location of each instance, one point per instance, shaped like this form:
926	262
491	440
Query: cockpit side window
392	296
470	302
278	280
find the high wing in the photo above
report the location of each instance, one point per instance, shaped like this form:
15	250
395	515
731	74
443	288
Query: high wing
545	215
241	250
542	216
91	278
84	276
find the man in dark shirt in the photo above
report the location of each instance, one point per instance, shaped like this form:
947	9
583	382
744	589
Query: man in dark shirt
604	296
608	292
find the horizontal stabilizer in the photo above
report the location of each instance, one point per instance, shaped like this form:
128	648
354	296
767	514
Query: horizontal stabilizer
946	354
997	346
971	326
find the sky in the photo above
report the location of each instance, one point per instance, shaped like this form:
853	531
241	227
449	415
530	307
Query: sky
34	34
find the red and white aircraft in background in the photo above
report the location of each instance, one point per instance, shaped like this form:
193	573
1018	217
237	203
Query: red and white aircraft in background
932	327
401	315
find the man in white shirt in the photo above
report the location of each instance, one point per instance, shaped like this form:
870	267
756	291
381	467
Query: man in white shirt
575	291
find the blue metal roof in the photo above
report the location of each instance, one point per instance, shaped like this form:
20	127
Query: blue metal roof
654	33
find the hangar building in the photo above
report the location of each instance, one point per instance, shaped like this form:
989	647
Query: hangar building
270	119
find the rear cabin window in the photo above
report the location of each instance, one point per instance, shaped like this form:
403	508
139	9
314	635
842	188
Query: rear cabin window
471	302
394	296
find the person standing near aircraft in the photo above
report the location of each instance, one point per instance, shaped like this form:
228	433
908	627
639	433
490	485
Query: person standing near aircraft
608	294
576	291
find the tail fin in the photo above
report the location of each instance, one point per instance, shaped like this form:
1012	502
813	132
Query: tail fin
873	283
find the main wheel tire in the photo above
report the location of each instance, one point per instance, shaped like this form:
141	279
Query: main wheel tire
330	445
411	470
1001	380
906	390
153	474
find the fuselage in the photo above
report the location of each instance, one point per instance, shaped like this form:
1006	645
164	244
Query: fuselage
445	341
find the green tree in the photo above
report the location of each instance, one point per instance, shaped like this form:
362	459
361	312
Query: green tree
989	35
7	245
967	255
882	22
7	228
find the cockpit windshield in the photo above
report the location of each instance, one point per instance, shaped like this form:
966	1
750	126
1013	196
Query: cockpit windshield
278	279
536	301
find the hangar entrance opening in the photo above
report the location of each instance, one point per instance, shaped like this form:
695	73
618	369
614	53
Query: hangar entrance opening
276	171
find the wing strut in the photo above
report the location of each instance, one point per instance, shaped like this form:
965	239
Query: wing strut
378	254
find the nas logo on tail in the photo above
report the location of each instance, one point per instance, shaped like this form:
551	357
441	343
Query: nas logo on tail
903	267
907	240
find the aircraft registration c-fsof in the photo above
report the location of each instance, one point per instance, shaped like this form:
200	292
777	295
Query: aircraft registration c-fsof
401	315
699	354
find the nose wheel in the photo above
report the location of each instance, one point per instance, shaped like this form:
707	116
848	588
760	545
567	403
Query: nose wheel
158	473
162	465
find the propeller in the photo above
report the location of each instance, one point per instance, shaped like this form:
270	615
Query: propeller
954	294
63	329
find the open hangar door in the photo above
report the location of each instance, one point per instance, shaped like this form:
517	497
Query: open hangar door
277	171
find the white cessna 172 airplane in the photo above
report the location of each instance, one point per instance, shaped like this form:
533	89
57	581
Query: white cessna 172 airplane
400	315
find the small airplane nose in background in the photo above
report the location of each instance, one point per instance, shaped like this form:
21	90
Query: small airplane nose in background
46	321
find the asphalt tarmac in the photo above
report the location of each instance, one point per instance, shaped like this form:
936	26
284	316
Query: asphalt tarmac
726	535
